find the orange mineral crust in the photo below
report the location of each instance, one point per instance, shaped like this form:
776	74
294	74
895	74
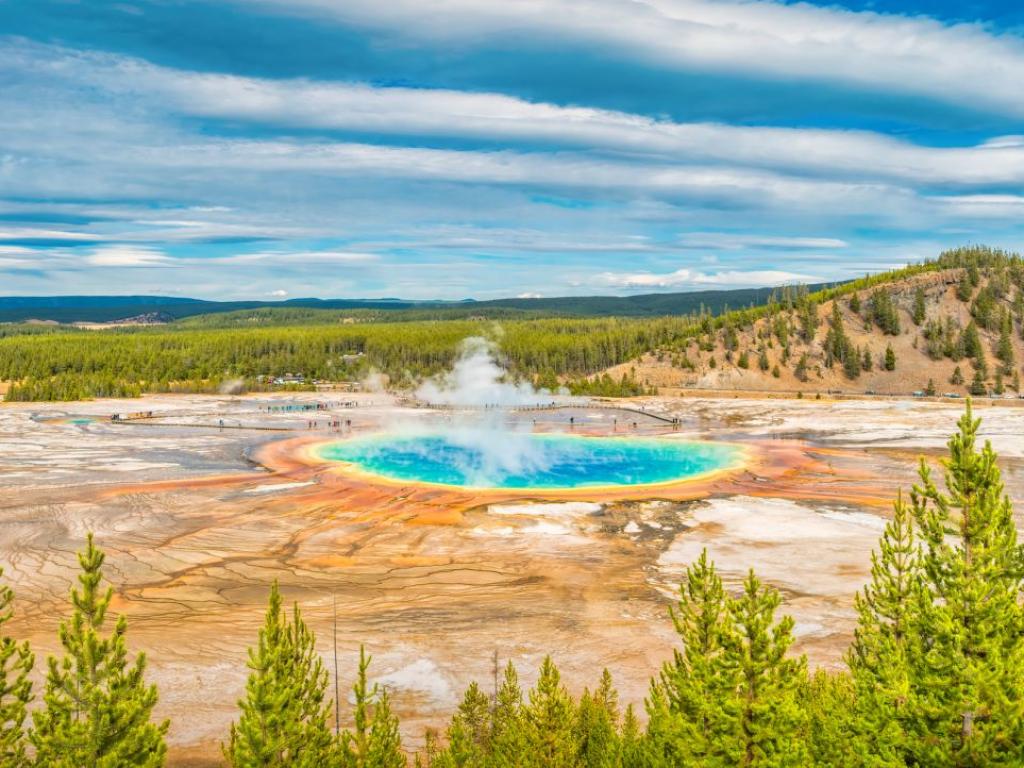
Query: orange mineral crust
198	520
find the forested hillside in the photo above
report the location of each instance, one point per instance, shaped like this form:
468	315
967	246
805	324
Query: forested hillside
952	323
105	309
955	325
74	365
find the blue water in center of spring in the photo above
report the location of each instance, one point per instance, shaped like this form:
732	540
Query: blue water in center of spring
525	460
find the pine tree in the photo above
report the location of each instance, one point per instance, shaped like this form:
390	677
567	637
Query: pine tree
374	742
968	702
801	368
973	275
971	341
978	385
957	378
1004	346
97	707
772	720
699	684
284	719
890	358
597	720
16	662
632	752
385	742
879	657
828	699
548	722
919	313
851	360
469	735
965	288
508	738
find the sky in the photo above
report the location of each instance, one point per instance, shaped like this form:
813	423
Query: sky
260	149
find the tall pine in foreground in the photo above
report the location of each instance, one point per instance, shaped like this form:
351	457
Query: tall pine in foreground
693	709
469	735
284	719
548	722
772	718
597	722
374	742
97	706
879	657
732	696
938	656
16	661
968	675
508	735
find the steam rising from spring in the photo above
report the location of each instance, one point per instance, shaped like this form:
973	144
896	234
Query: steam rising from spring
478	391
477	380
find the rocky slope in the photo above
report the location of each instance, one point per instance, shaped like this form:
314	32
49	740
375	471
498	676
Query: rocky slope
949	331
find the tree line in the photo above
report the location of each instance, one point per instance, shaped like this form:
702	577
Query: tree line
201	354
934	676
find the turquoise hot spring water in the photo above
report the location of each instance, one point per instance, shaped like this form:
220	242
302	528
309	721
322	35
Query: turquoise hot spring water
518	460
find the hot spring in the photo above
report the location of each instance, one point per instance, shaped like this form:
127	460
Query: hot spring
517	460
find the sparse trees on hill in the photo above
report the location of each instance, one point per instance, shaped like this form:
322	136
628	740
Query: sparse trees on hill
884	313
1004	346
200	354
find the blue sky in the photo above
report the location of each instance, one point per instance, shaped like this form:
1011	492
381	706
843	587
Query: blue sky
372	148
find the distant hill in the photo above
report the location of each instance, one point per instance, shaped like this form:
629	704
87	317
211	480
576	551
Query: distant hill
105	309
653	304
952	326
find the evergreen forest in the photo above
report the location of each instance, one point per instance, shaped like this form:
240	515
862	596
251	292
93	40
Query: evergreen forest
551	350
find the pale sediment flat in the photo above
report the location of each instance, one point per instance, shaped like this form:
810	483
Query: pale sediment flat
196	525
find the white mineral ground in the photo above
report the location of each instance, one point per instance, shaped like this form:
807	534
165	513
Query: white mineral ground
588	580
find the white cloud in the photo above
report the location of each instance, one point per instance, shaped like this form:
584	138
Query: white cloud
31	233
961	63
128	256
850	154
733	241
683	278
529	296
421	111
282	257
278	294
